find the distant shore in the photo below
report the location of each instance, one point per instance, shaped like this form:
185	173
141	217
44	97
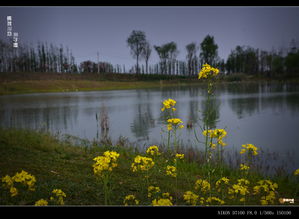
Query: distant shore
21	83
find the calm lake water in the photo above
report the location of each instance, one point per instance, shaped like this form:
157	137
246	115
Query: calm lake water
264	114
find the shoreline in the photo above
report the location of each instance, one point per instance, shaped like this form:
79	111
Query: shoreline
63	85
43	155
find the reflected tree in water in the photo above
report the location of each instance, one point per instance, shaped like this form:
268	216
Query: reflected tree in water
144	119
193	108
242	106
210	112
103	120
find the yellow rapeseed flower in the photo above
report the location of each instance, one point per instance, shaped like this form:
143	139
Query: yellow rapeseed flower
171	171
26	179
153	150
167	195
207	72
296	172
179	156
22	177
142	163
174	123
190	197
203	185
221	181
219	134
168	104
130	200
162	202
239	188
152	190
214	200
105	163
41	202
250	148
264	186
244	167
59	195
13	191
7	180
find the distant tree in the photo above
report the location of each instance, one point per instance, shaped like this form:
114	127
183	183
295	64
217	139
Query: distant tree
191	57
209	50
262	61
167	53
87	66
146	53
278	64
137	42
292	63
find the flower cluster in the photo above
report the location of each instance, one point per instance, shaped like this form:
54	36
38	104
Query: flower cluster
296	172
130	200
23	177
152	190
190	197
171	171
155	192
59	195
168	104
203	185
240	188
208	72
220	182
267	189
167	195
214	200
142	163
153	150
41	202
250	148
162	202
105	163
216	133
174	123
180	156
244	167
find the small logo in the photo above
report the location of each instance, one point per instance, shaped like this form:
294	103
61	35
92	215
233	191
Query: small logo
286	200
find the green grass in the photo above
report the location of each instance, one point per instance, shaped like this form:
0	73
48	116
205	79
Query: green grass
40	82
59	164
19	87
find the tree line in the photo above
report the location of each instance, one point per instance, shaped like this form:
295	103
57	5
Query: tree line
243	59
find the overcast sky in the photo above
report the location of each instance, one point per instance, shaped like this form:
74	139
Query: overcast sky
88	30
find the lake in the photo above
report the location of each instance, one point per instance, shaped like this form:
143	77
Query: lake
262	113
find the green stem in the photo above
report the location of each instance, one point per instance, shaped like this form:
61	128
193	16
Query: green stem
106	189
176	182
175	143
168	141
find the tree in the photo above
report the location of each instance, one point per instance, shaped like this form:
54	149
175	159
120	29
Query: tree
191	57
167	53
278	64
292	63
146	53
209	51
136	42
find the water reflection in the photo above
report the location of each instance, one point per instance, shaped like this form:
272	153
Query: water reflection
103	125
23	112
210	112
143	116
266	113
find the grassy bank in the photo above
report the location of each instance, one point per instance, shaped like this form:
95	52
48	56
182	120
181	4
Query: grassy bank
19	87
19	83
59	164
